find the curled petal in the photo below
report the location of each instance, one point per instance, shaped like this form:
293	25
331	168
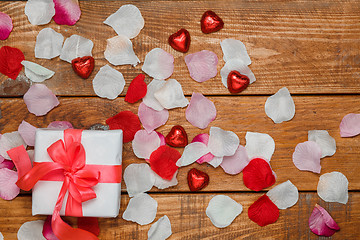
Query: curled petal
40	100
280	107
306	156
6	26
119	51
108	82
10	61
201	111
138	178
137	89
192	152
126	121
236	65
8	188
263	211
31	231
126	21
215	161
204	138
35	72
163	161
27	132
171	95
145	143
236	163
321	223
222	210
9	141
222	143
39	12
48	44
60	125
324	140
161	183
350	125
234	49
47	230
158	64
67	12
333	187
202	65
284	195
76	46
258	175
141	209
149	98
7	163
259	145
150	118
160	230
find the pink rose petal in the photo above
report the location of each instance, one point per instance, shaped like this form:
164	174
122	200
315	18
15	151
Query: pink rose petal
350	125
306	156
27	132
321	223
60	125
150	118
40	100
8	188
204	138
201	111
162	143
67	12
6	26
7	164
47	230
202	65
236	163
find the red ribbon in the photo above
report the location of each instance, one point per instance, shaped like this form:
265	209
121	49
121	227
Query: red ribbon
78	179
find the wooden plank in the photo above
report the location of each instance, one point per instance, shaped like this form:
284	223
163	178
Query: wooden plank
308	46
238	114
189	221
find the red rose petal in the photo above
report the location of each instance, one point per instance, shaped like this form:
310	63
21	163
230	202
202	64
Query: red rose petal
89	224
10	61
126	121
263	211
163	161
137	89
258	175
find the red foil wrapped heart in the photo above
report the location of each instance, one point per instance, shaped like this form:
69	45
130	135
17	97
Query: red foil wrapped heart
237	82
83	66
177	137
210	22
197	180
180	40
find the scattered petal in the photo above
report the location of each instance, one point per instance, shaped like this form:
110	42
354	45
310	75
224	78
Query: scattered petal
6	26
350	125
222	210
10	61
39	12
259	145
197	179
284	195
160	230
90	224
280	107
35	72
149	98
126	21
236	65
321	223
234	49
222	143
141	209
177	137
137	89
9	141
6	164
67	12
163	162
31	154
171	95
8	188
263	211
27	132
150	118
158	64
201	111
161	183
192	152
306	156
31	231
119	51
145	143
333	187
47	230
216	161
258	175
76	46
126	121
60	125
108	82
40	100
162	139
48	44
204	138
324	140
138	178
236	163
202	65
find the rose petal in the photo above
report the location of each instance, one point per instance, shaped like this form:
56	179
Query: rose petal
27	132
141	209
108	82
9	141
333	187
126	121
39	12
160	230
149	98
1	236
126	21
284	195
258	175
76	46
324	140
204	138
6	26
137	89
150	118
350	125
158	64
234	49
171	95
259	145
192	152
35	72
280	107
236	65
40	100
31	231
6	164
138	178
201	111
161	183
236	163
306	156
263	211
222	143
47	230
119	51
90	224
321	223
216	161
10	61
67	12
222	210
48	44
163	162
8	188
60	125
145	143
202	65
31	154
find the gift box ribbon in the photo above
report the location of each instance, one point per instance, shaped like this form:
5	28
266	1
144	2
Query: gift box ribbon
69	167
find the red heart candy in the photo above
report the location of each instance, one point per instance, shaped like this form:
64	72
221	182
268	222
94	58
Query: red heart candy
210	22
137	89
197	180
237	82
83	66
177	137
180	40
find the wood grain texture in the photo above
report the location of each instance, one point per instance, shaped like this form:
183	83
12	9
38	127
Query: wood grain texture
239	114
308	46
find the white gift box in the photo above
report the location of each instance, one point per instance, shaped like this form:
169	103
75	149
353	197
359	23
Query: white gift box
101	148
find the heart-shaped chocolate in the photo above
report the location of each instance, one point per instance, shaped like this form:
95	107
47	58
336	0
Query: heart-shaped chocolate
197	180
83	66
237	82
180	40
177	137
210	22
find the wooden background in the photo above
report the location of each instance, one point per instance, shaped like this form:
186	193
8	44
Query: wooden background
311	47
